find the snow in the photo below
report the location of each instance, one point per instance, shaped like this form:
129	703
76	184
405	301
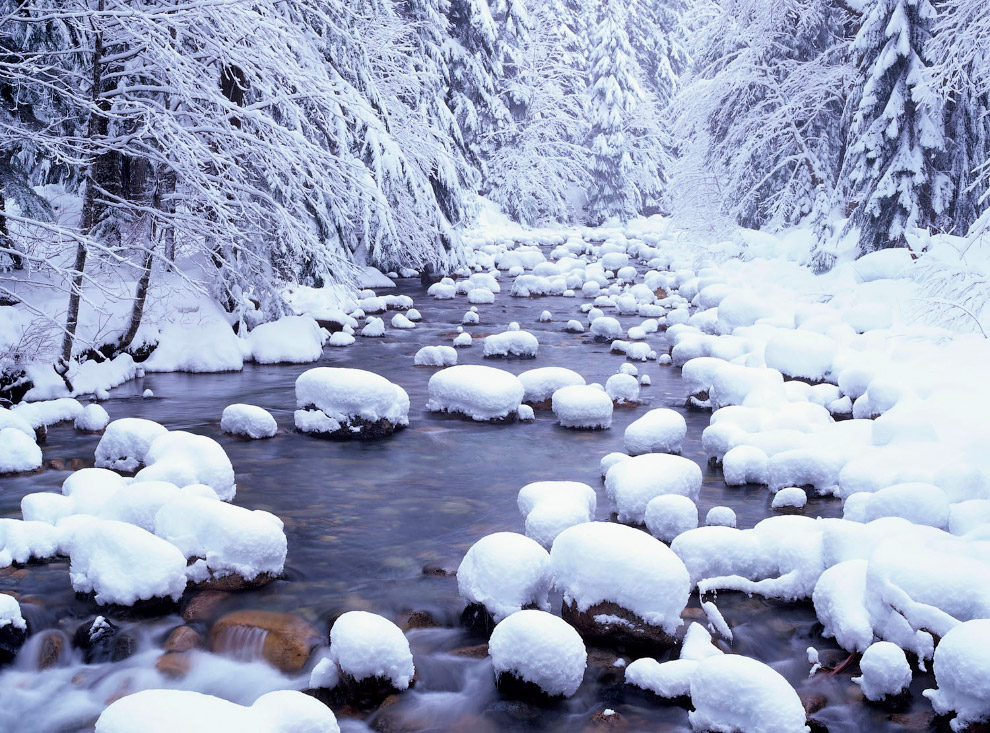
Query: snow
574	326
340	339
249	421
732	692
541	383
93	418
632	483
345	397
365	645
165	711
540	648
920	503
668	680
10	612
962	674
511	343
658	431
799	353
550	507
18	452
373	328
22	541
720	516
102	561
622	388
184	458
746	464
125	442
400	321
668	515
462	340
50	412
791	496
885	671
582	406
10	419
436	356
504	572
207	347
289	340
602	561
481	296
479	392
606	328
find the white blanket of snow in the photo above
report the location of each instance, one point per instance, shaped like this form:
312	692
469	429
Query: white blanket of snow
658	431
125	442
511	343
10	419
504	572
249	421
541	383
184	458
602	561
632	483
289	340
582	406
343	394
167	711
541	648
436	356
18	452
550	507
208	347
479	392
365	645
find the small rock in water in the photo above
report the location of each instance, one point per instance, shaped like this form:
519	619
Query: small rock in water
282	639
103	641
203	605
183	639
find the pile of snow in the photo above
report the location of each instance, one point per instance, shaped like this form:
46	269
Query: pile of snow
207	347
10	612
248	421
720	516
348	402
436	356
373	328
633	483
183	458
604	562
791	498
537	647
511	343
658	431
550	507
669	515
962	673
22	541
580	406
125	443
622	388
606	328
49	412
541	383
92	419
10	419
289	340
401	321
668	680
164	711
18	452
885	671
367	646
504	572
800	353
479	392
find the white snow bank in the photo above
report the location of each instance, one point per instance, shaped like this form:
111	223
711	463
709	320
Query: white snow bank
289	340
364	645
504	572
208	347
248	421
49	412
479	392
540	648
658	431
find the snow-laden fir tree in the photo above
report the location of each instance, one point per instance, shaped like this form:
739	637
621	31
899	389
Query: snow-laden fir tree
894	141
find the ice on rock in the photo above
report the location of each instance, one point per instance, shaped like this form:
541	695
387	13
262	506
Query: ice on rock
632	483
504	572
10	612
550	507
962	673
541	383
658	431
92	419
289	340
18	452
231	540
373	328
622	388
669	515
731	692
166	711
511	343
800	353
183	458
102	556
668	680
248	421
539	648
582	406
746	464
368	646
606	328
125	443
789	498
885	671
479	392
603	562
401	321
436	356
919	503
349	403
720	516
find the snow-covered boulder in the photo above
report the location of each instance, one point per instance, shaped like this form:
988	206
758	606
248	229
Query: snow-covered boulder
436	356
658	431
541	383
18	452
790	499
633	483
93	419
606	328
371	654
885	671
670	680
125	443
623	389
720	516
537	648
582	406
619	584
504	572
402	322
184	458
22	541
511	343
962	673
289	340
208	347
800	353
349	403
373	328
11	419
746	464
550	507
248	421
479	392
669	515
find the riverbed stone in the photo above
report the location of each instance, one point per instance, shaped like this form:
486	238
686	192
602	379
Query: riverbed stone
11	640
101	640
183	639
288	638
203	606
175	665
631	632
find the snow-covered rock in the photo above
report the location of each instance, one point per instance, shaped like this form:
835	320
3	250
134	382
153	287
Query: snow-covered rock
22	541
206	347
184	458
574	326
541	383
436	356
606	328
10	613
18	452
550	507
125	443
668	680
962	673
48	412
349	403
366	646
622	389
541	649
479	392
401	321
92	419
658	431
581	406
789	498
800	353
632	483
10	419
669	515
511	343
720	516
289	340
248	421
885	671
504	572
373	328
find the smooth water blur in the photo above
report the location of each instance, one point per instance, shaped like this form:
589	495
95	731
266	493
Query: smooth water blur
364	518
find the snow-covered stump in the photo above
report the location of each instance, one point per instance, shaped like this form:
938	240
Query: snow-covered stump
658	431
541	383
582	407
371	656
248	421
537	656
349	404
502	573
621	586
481	393
13	628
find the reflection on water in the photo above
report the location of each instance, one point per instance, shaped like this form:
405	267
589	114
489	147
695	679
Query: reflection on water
364	518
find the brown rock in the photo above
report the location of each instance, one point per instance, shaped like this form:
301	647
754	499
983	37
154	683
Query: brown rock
174	664
480	651
183	639
918	720
57	464
813	703
435	571
601	721
286	642
420	620
630	632
203	605
53	644
234	582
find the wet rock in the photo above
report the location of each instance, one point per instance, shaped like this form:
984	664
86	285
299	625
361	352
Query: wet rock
51	649
183	639
203	606
57	464
478	651
175	665
918	720
420	620
367	693
435	571
477	618
607	720
612	625
516	688
356	428
234	582
282	639
813	703
103	641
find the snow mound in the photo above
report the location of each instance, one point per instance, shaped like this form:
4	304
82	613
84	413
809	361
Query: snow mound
10	419
248	421
401	321
479	392
668	680
504	572
208	347
125	443
791	497
720	516
18	452
658	431
49	412
373	328
550	507
22	541
606	328
10	612
885	669
289	340
436	356
622	389
580	406
540	384
349	403
92	419
184	458
511	343
366	646
633	483
962	673
540	648
669	515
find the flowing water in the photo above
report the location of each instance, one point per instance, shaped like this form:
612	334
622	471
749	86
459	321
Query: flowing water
363	519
